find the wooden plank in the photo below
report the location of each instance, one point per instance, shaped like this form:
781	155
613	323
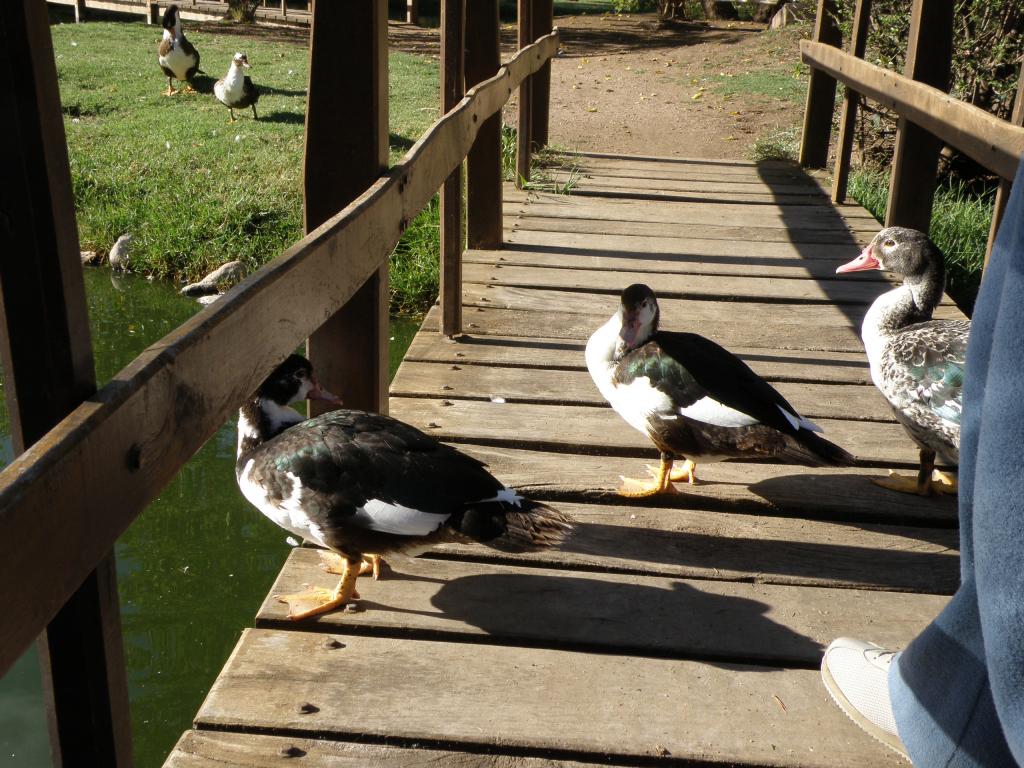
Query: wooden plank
756	179
829	493
821	92
715	166
779	231
216	749
48	372
678	264
725	546
630	245
747	331
689	311
453	17
560	354
753	286
579	704
582	429
994	143
851	101
642	182
623	613
76	490
599	189
915	160
557	387
483	163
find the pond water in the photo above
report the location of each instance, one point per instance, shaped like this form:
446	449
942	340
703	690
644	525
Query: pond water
192	569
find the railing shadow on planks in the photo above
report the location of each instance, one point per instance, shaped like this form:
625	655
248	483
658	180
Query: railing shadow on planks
90	461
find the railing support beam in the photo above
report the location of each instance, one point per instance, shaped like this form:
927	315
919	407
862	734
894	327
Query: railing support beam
48	366
483	164
916	155
346	151
453	17
543	23
821	93
851	102
1005	185
524	143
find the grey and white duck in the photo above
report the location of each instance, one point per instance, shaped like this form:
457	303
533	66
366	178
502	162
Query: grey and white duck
694	399
916	362
358	483
177	57
236	90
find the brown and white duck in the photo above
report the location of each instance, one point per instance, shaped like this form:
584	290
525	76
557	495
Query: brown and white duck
359	483
916	362
177	57
694	399
235	90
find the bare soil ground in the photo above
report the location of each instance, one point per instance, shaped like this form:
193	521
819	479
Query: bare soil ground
629	84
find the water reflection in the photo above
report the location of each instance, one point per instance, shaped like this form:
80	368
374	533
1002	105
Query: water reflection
192	569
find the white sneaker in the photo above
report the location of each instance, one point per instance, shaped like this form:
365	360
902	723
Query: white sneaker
856	675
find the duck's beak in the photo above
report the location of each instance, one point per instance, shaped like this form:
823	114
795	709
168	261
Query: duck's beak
866	260
319	393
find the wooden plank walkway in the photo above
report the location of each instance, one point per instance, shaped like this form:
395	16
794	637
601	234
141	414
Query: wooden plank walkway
682	631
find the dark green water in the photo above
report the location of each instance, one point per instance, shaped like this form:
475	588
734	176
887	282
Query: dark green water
192	569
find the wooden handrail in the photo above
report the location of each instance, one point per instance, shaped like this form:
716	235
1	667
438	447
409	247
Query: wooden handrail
64	502
994	143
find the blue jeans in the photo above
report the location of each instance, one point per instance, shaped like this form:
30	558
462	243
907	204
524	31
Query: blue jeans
958	689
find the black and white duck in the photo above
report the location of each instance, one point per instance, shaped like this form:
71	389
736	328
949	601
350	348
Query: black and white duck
177	57
916	362
358	483
694	399
236	90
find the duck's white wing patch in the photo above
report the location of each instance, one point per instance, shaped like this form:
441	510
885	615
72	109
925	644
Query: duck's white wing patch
710	411
799	422
637	402
385	517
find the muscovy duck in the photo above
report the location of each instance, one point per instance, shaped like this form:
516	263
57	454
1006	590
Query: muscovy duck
693	398
916	362
358	483
177	57
236	90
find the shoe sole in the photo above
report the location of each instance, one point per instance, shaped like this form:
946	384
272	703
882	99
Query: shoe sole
891	741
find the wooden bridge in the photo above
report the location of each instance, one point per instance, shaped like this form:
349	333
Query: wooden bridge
686	631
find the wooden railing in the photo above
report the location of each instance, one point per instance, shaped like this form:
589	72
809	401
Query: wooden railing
928	116
150	10
75	488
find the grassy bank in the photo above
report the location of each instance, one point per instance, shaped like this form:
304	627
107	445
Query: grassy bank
193	190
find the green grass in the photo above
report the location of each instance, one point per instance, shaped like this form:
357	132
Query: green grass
959	227
782	144
194	191
785	85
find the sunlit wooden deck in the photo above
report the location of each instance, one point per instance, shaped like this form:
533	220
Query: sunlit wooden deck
689	631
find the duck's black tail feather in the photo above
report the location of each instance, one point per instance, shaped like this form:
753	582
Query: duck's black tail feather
814	450
516	527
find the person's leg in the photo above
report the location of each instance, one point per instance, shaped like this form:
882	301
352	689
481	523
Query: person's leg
958	689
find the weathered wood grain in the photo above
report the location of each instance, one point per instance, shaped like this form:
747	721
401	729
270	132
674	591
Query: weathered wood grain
583	429
216	749
676	263
531	385
625	613
753	286
565	354
580	704
754	190
828	493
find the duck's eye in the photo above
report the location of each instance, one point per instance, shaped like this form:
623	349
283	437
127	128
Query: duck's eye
890	243
300	375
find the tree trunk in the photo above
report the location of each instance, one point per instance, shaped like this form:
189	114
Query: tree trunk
719	10
765	12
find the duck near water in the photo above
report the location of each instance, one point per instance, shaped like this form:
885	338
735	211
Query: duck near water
693	399
916	362
358	483
235	90
177	57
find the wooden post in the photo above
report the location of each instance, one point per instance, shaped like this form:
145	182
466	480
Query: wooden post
284	9
412	12
524	143
453	19
47	358
543	23
1005	185
821	93
851	101
916	155
79	11
346	151
483	164
152	13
